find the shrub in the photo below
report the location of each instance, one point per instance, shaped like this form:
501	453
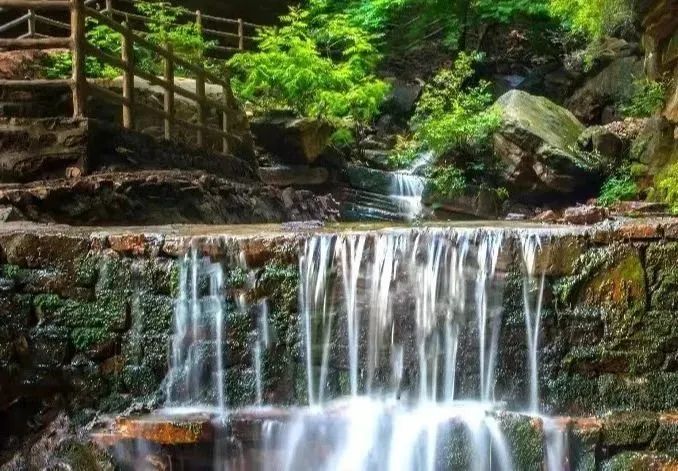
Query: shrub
647	98
617	188
324	71
666	187
451	114
447	181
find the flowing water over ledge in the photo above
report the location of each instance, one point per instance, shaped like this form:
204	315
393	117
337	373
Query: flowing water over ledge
404	340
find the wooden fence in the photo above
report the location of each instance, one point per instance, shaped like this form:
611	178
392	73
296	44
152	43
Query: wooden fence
82	88
224	35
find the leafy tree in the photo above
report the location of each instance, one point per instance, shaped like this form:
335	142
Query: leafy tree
315	69
593	18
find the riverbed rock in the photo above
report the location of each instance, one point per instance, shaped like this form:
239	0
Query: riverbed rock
290	139
584	214
536	142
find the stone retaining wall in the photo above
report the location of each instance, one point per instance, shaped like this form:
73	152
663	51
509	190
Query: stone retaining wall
86	318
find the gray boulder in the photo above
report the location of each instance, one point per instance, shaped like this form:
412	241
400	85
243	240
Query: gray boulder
537	143
599	96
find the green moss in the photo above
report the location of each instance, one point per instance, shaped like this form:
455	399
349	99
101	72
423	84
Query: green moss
78	456
636	461
666	187
525	440
666	439
663	275
86	271
10	271
629	429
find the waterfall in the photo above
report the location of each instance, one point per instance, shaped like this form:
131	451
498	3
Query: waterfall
410	318
408	185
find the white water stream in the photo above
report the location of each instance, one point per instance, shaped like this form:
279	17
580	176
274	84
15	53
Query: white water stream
386	313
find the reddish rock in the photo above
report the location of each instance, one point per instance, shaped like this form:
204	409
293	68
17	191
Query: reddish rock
549	216
639	230
135	244
584	214
166	431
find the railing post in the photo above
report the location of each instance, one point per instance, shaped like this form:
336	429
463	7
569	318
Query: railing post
79	85
109	7
241	34
128	81
200	91
31	23
169	93
198	20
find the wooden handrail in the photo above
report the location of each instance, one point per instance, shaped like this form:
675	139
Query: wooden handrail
36	4
33	43
82	88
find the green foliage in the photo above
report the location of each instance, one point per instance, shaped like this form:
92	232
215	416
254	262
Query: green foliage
407	24
447	181
313	69
506	11
618	188
60	65
163	28
646	100
451	115
342	137
666	187
593	18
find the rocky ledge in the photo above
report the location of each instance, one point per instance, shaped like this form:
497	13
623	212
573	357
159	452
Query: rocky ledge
159	197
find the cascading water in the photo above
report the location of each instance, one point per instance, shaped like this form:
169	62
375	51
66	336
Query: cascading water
395	315
408	186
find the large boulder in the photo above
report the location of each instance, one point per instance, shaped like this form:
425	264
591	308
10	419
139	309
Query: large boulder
656	147
536	142
292	140
598	98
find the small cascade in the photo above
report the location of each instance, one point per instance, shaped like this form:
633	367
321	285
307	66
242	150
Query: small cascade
408	185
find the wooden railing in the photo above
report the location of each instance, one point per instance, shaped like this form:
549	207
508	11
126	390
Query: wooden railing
224	35
82	88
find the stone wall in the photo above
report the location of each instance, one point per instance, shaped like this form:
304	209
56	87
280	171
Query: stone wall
86	319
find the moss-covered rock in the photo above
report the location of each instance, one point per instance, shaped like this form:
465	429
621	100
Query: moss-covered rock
637	461
662	273
629	429
536	142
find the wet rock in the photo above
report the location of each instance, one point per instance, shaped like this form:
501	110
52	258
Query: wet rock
292	140
585	214
536	142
